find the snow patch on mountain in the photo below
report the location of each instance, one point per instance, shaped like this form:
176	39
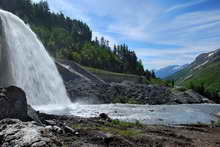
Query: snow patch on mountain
199	66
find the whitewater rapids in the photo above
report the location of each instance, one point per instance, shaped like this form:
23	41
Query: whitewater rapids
147	114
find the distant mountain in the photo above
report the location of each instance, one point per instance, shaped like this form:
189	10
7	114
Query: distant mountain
205	70
169	70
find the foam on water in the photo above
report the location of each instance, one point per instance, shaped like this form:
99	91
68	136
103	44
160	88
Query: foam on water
25	63
148	114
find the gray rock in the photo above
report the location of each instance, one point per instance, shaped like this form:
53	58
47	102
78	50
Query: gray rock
69	130
33	115
104	116
188	97
50	122
57	129
15	133
13	103
89	92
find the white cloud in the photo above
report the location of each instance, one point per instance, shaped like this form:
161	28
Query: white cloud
157	58
186	5
159	63
190	30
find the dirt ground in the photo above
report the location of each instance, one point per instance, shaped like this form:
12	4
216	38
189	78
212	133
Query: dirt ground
104	132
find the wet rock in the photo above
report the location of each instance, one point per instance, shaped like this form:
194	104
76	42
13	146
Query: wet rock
13	103
57	129
69	130
54	129
50	122
13	132
104	116
34	115
77	133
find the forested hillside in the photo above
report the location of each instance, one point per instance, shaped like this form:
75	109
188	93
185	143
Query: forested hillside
71	39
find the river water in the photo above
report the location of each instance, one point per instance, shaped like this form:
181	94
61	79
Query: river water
147	114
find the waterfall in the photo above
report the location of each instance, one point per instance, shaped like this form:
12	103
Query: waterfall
25	63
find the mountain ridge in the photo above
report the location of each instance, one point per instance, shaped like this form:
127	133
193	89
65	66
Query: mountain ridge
169	70
202	74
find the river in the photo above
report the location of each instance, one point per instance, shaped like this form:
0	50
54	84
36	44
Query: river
147	114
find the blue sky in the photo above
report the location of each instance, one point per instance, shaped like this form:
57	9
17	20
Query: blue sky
161	32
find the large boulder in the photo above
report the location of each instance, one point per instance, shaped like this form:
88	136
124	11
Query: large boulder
13	103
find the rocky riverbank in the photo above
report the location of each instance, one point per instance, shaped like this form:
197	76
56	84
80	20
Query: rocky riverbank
36	129
104	132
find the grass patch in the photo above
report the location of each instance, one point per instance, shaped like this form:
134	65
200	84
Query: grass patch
127	129
217	123
122	132
78	126
180	89
100	71
159	82
209	75
114	76
116	127
123	124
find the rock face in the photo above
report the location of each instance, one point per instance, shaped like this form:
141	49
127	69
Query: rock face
189	97
15	133
129	92
83	86
72	71
13	103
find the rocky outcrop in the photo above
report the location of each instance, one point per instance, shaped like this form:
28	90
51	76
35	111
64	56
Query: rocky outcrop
81	90
189	97
33	115
130	92
72	71
20	124
16	133
13	103
16	125
83	86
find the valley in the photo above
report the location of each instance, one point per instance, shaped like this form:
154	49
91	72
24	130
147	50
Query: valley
201	75
63	84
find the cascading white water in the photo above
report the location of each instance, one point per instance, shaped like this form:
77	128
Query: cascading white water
25	63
